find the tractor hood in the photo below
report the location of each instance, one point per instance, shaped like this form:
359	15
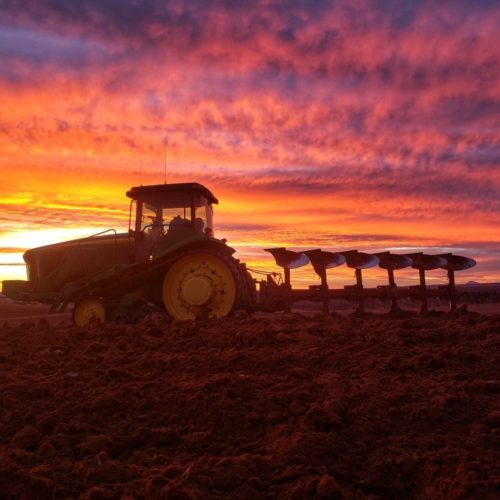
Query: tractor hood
51	266
79	242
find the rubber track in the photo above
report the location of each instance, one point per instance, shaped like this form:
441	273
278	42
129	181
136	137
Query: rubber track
143	274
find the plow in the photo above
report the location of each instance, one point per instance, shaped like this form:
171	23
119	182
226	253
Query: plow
321	260
170	259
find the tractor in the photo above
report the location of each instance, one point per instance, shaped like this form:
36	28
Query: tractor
169	258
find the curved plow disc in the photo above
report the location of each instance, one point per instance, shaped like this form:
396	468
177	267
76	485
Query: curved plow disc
288	259
393	261
360	260
426	262
321	259
457	262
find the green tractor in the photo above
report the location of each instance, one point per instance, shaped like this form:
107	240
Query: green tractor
169	258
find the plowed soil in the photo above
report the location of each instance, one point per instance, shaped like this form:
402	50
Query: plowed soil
278	406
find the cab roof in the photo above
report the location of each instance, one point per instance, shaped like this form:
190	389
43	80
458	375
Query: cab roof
171	192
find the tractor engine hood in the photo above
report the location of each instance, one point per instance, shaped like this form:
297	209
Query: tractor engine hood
79	242
51	266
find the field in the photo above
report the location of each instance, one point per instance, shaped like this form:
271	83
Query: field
262	406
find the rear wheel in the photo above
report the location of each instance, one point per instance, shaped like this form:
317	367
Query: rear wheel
88	311
200	285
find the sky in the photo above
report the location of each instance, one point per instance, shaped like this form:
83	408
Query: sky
360	124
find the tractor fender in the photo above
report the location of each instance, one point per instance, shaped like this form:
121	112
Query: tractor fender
213	245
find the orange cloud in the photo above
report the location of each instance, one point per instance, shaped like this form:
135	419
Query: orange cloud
353	124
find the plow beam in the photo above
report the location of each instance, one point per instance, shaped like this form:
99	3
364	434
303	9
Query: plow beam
423	263
321	261
287	260
359	261
392	262
455	263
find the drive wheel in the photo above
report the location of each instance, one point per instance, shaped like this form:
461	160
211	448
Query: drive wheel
89	311
199	285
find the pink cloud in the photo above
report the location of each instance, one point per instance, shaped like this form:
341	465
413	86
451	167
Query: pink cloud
387	112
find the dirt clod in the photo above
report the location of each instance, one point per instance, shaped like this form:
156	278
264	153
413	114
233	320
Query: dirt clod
28	438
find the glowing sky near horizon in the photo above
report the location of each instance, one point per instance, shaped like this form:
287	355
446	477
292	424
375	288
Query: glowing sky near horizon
364	124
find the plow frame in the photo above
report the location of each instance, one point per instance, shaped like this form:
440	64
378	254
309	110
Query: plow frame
281	296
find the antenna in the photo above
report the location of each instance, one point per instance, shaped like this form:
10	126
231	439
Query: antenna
165	142
140	164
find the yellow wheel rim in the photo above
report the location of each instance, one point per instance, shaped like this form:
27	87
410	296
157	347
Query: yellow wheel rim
88	311
199	285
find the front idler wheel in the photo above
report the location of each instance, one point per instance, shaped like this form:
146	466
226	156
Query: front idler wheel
89	311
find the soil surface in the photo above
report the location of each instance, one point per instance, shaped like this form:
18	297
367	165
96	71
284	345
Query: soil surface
277	406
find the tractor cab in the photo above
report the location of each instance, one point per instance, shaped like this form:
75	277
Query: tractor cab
168	216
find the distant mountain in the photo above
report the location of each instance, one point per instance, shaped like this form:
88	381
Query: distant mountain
476	283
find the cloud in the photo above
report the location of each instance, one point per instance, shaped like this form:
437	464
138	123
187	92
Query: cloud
379	111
